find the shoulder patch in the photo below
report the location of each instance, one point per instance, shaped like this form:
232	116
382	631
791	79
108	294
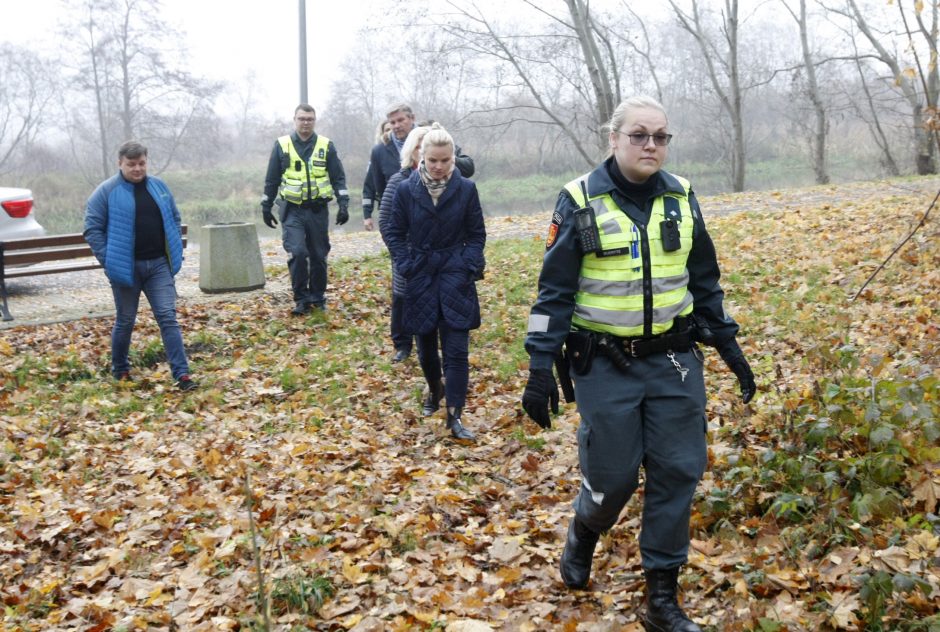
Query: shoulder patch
553	230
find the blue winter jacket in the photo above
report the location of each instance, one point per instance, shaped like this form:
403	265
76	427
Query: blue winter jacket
110	221
439	251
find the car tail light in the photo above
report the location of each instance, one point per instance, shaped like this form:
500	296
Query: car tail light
17	208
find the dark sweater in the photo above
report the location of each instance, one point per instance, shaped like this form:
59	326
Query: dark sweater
149	235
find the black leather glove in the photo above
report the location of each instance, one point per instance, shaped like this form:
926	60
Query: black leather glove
342	215
540	390
268	216
733	356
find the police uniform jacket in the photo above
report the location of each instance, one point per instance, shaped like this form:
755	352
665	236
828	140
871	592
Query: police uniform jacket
550	318
439	251
278	163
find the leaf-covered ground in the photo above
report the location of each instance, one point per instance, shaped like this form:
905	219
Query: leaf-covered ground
123	506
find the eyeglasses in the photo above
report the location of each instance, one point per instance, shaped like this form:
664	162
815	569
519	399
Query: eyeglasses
640	139
306	119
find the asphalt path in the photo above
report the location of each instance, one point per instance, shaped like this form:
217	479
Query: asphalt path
56	298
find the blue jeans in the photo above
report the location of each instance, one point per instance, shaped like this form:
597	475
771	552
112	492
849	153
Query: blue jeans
153	278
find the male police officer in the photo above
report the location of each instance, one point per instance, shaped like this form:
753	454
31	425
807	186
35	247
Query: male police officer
305	171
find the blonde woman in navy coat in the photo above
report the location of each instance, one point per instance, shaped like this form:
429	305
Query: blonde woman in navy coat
436	237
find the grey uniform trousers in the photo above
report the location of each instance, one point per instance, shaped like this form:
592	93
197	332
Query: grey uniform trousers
646	416
306	236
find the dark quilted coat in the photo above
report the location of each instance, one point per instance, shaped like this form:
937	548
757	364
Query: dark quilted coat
399	287
439	251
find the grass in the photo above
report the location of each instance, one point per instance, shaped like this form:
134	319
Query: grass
827	455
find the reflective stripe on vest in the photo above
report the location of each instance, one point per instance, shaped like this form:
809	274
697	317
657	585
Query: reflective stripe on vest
310	181
610	288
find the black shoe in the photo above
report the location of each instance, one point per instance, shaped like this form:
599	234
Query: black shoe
456	428
300	309
579	552
185	383
124	376
663	613
401	355
433	401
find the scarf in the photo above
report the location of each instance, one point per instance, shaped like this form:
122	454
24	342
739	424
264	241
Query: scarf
435	187
398	143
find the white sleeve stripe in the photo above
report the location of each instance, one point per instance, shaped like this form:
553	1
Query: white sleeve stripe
538	323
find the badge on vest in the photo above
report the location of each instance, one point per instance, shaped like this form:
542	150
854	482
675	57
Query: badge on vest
671	209
553	230
322	152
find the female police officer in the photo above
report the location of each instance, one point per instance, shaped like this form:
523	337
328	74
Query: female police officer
629	281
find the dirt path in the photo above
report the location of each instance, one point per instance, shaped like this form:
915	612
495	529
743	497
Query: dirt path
64	297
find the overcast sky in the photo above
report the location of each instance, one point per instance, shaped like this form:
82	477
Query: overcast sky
226	40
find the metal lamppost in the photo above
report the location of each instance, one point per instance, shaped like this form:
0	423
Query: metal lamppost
303	51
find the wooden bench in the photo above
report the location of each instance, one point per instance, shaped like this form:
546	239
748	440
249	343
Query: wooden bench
35	256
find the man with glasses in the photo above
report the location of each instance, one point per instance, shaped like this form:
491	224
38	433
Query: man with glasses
304	173
629	285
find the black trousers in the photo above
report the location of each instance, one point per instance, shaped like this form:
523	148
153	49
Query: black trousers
400	339
306	236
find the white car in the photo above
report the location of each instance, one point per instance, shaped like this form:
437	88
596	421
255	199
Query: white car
16	219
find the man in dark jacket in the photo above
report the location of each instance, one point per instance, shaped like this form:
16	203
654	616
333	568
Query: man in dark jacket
303	173
384	162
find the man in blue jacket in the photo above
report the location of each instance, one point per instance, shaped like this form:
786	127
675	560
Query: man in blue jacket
133	227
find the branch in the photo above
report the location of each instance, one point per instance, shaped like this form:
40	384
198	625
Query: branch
923	220
262	592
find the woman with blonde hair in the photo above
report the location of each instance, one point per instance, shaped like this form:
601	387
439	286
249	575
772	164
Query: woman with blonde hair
436	236
629	285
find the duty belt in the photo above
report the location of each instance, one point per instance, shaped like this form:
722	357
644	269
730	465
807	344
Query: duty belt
642	347
582	345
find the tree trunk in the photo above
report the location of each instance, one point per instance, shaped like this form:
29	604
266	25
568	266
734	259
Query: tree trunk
603	95
923	143
731	97
819	141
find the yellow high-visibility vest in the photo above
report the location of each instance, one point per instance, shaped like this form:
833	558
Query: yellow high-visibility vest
610	295
303	181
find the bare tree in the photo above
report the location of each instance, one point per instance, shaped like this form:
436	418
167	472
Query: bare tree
573	47
131	66
918	82
26	88
644	49
819	139
726	82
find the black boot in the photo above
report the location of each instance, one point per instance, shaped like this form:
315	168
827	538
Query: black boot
456	428
577	556
663	613
433	401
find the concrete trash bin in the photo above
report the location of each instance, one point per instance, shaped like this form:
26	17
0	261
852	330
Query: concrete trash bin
230	258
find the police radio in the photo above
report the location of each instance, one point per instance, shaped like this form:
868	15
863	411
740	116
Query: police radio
588	235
